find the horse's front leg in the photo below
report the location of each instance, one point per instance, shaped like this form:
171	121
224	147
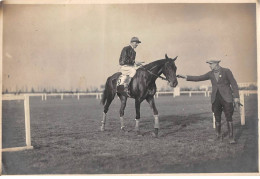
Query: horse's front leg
151	102
122	109
137	118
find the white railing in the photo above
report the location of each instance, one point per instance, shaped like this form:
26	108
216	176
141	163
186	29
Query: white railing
45	95
206	93
98	95
174	94
27	121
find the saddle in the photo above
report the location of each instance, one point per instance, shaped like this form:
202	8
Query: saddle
122	85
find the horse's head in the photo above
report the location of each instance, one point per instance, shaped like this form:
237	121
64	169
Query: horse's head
169	71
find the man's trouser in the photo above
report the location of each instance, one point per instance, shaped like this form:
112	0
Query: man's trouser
218	106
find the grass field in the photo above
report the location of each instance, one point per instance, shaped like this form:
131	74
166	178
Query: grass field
67	139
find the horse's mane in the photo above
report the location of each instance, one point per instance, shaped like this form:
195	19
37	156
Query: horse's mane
154	63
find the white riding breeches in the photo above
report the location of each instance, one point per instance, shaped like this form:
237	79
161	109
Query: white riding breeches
128	70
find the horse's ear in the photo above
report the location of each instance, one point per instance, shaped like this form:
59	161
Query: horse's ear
175	58
166	56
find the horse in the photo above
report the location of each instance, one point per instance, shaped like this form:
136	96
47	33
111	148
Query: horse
141	87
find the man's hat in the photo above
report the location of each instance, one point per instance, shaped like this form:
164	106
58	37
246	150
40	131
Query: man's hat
135	39
212	61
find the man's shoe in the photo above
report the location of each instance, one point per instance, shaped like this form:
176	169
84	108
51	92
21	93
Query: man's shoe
230	132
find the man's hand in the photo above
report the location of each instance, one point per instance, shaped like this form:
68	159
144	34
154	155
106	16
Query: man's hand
237	103
182	76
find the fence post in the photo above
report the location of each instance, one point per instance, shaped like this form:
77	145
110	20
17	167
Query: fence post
27	120
61	96
190	94
242	108
78	96
176	91
214	120
45	96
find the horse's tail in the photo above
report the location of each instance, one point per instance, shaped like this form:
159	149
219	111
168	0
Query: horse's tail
105	93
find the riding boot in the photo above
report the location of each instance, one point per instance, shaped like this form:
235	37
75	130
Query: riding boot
218	130
126	86
230	132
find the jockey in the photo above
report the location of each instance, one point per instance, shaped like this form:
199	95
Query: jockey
127	62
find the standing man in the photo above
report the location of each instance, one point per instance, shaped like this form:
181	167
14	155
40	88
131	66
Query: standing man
127	62
222	80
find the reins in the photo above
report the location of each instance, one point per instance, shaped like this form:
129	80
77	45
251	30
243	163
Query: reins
159	76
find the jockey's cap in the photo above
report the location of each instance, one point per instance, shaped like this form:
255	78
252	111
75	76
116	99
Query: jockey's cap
213	61
135	39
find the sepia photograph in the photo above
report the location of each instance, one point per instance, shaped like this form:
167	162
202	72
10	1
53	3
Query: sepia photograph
120	87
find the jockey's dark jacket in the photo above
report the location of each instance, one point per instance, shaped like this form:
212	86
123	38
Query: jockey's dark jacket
127	56
226	79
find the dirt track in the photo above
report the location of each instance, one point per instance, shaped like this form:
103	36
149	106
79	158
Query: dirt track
67	140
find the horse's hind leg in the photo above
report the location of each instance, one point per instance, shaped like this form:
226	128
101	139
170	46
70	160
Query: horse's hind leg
106	107
123	100
151	102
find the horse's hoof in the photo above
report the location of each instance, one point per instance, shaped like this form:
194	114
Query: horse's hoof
155	133
123	129
232	141
138	133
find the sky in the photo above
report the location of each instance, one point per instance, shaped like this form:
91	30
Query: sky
70	46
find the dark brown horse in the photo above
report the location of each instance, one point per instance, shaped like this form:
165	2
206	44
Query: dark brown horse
142	87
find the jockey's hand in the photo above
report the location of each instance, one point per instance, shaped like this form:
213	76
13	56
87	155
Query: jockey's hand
138	63
182	76
237	103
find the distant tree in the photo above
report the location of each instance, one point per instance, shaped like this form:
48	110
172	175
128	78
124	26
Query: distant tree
252	87
162	89
44	90
186	89
32	90
102	87
6	91
196	88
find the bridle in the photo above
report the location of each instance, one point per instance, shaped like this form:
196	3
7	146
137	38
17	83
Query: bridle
159	76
